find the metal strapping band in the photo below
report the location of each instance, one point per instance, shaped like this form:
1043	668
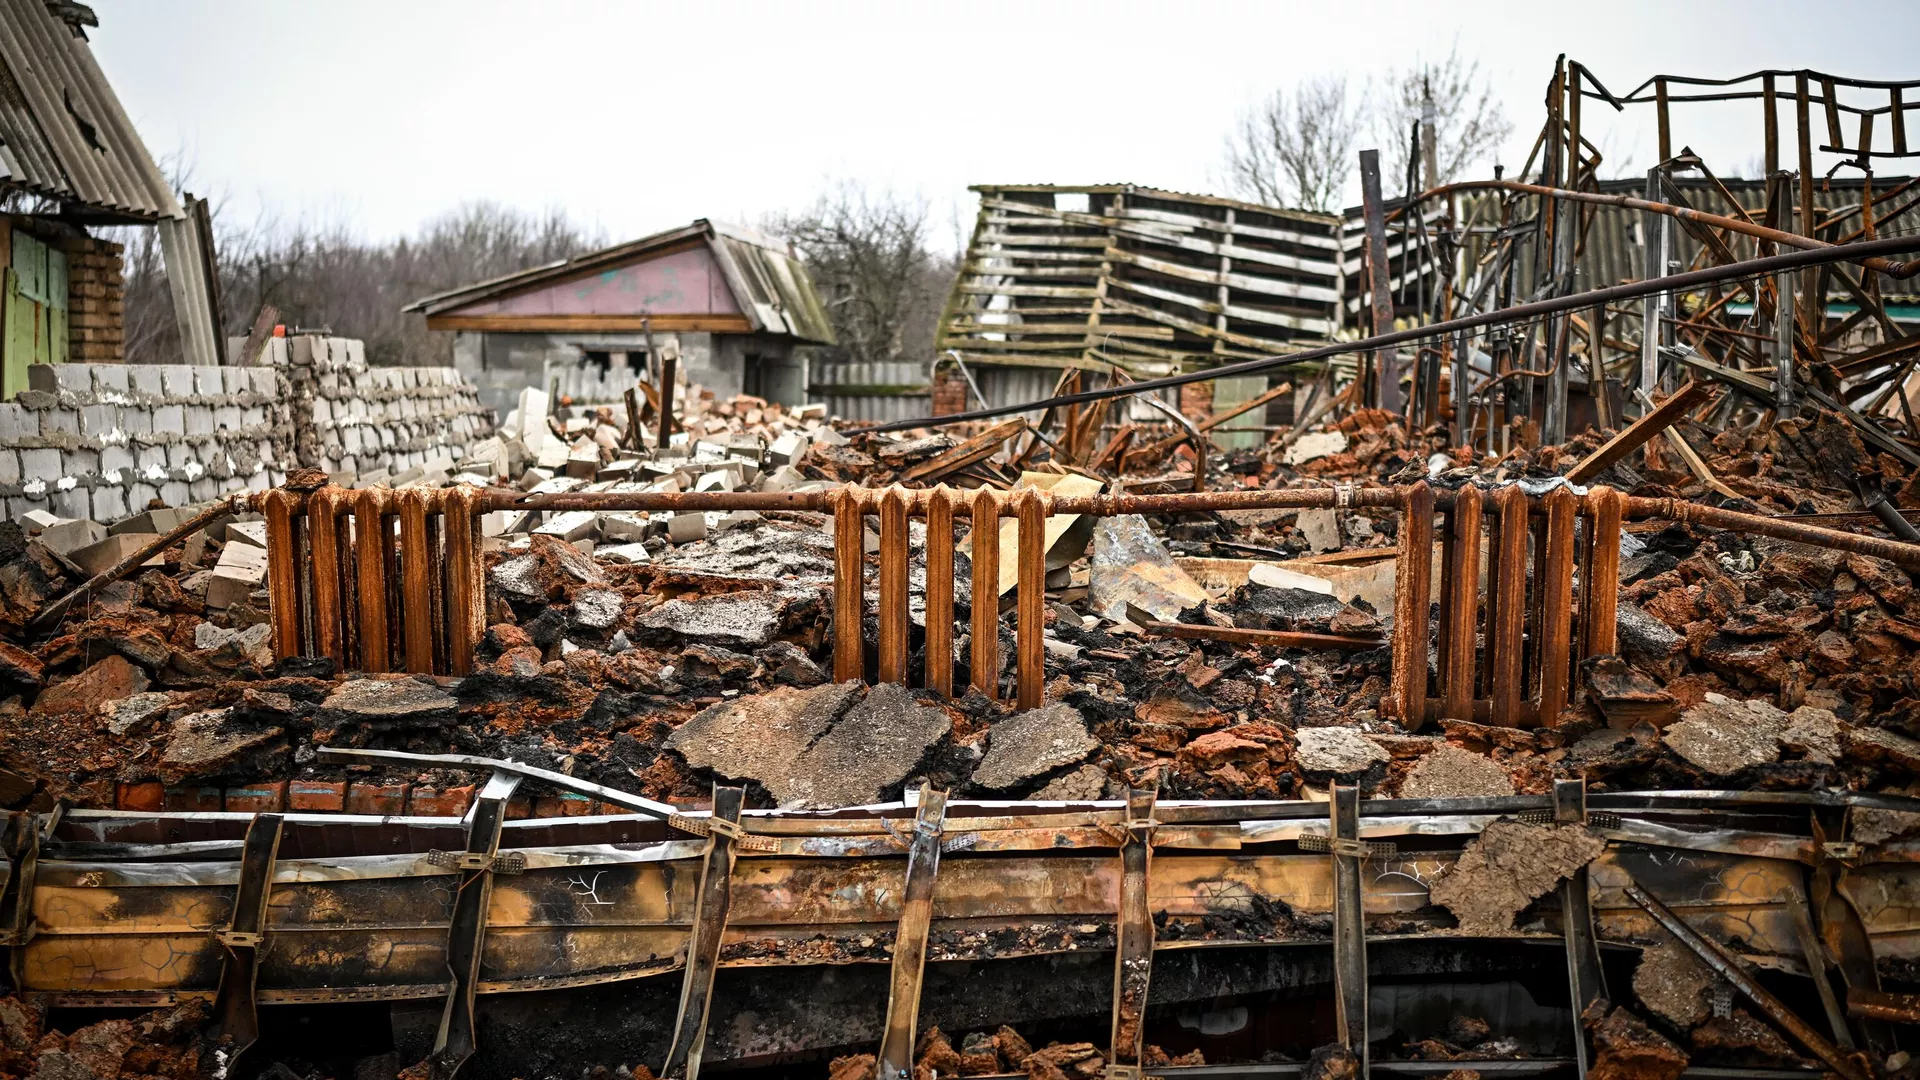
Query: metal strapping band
1343	495
711	903
910	940
1358	849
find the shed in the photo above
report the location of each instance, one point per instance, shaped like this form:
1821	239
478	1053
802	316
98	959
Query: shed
734	303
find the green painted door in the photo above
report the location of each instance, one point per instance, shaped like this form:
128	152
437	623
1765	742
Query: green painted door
35	311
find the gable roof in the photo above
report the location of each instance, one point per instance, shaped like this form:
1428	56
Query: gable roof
63	134
766	278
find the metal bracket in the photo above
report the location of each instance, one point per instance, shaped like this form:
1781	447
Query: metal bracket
1586	980
512	862
1133	936
703	941
712	826
1842	850
234	1008
1349	926
910	940
1124	1072
455	1042
1354	849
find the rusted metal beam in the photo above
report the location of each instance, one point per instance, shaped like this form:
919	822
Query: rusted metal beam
1030	601
466	936
612	796
910	939
940	590
1669	412
715	896
849	584
1460	609
1412	591
1506	626
1586	978
1555	578
1240	635
1853	1066
893	586
283	570
1133	929
985	557
1600	585
1386	393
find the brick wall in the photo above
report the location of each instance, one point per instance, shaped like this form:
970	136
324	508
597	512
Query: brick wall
949	392
96	302
1196	401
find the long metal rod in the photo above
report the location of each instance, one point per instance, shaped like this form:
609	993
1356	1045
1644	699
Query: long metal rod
1793	260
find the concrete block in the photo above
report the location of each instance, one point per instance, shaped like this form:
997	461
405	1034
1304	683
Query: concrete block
9	467
53	421
110	378
177	379
206	381
109	502
98	420
53	378
116	458
17	423
141	494
226	417
74	502
67	535
263	381
149	458
98	557
170	420
41	464
571	525
151	521
200	420
79	462
147	379
233	380
686	528
135	419
247	532
175	493
240	570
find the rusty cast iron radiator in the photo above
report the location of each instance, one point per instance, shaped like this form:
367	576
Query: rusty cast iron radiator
377	579
1515	666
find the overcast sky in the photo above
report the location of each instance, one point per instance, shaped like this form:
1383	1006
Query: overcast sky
638	117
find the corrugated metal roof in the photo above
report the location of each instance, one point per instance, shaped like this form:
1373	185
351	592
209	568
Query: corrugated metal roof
768	281
63	133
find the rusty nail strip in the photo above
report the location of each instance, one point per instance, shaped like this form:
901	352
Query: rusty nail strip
849	583
466	587
893	585
1851	1066
1556	609
1461	609
703	941
1031	598
1506	638
940	590
323	533
1349	925
234	1009
1600	587
1413	586
466	937
910	941
1133	946
370	543
985	555
416	594
283	572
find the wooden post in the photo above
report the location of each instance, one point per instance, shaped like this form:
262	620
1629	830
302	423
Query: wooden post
1379	280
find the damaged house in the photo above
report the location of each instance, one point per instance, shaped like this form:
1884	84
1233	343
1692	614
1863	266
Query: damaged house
732	304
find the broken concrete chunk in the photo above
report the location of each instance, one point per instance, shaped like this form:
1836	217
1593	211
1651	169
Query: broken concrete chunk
1132	566
112	679
247	532
1315	445
402	702
597	609
1084	784
685	528
571	525
1320	527
833	745
98	558
132	715
1507	867
65	536
1649	644
241	569
1721	736
204	745
1338	750
743	618
1673	984
1032	744
1448	772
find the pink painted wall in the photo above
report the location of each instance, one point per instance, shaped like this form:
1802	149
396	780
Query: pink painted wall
684	283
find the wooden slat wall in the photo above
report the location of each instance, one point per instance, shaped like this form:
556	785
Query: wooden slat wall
1151	280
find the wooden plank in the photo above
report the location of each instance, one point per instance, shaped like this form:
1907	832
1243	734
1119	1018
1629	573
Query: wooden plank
1155	333
1247	282
1678	404
1236	252
1053	292
981	446
1303	323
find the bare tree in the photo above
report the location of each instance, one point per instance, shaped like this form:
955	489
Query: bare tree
1296	149
327	277
1469	124
881	281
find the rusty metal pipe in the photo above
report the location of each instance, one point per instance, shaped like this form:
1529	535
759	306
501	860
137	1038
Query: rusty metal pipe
1894	551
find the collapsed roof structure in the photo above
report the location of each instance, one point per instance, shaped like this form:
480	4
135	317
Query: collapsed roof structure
1429	730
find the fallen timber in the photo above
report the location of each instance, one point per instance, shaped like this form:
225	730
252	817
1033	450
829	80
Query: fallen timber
115	909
